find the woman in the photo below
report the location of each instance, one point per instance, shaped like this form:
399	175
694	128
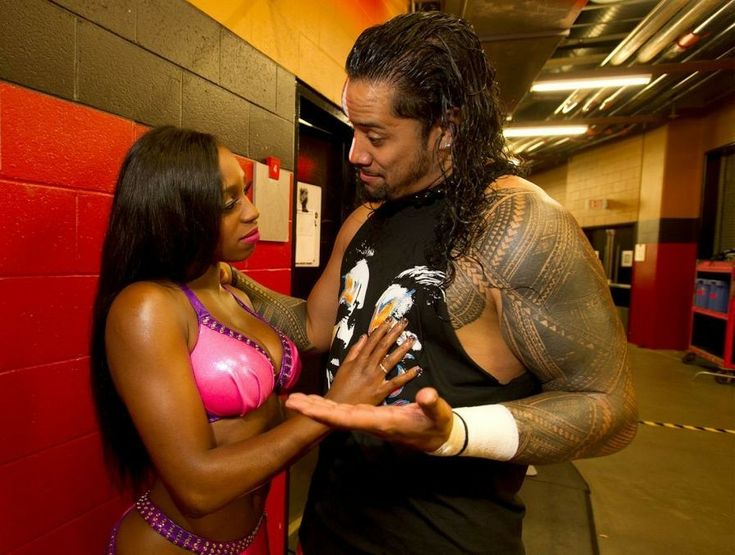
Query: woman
185	374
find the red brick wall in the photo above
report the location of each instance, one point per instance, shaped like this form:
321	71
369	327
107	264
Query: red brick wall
58	165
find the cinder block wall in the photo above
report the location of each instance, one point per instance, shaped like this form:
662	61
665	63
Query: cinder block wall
155	62
79	81
310	39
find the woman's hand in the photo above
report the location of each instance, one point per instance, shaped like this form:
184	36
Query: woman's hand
362	376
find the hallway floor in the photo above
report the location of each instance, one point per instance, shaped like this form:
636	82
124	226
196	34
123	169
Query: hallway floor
671	492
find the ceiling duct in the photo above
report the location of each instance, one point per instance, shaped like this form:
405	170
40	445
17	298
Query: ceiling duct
669	33
660	15
694	37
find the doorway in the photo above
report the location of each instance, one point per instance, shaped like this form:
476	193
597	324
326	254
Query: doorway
322	148
717	223
323	141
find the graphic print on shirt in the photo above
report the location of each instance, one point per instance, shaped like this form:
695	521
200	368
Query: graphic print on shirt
395	302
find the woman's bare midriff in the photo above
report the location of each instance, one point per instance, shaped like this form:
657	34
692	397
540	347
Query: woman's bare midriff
231	522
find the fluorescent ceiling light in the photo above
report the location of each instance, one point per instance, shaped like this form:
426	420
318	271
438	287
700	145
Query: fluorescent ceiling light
590	83
545	130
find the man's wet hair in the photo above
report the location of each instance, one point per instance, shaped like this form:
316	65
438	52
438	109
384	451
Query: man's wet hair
441	75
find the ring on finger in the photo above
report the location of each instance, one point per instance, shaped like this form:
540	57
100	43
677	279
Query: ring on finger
383	368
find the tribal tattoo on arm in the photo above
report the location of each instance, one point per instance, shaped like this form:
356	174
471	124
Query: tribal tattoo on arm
286	313
559	320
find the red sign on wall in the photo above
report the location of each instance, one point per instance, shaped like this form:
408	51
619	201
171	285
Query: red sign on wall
274	167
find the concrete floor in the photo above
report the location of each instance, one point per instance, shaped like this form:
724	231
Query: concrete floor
672	491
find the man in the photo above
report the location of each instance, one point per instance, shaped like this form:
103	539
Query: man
524	360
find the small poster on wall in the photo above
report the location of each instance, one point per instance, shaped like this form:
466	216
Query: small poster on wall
308	224
626	259
639	254
271	198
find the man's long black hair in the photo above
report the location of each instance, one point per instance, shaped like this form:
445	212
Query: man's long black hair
441	75
164	225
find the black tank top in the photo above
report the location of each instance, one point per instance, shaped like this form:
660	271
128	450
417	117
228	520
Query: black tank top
371	496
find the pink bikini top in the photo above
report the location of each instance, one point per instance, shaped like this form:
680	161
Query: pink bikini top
233	373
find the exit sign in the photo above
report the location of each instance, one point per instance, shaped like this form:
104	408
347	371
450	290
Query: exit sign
597	204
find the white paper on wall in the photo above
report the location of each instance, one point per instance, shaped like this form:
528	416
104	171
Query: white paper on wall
640	252
308	223
271	198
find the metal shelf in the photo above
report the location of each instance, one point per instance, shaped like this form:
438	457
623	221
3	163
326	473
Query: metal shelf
711	332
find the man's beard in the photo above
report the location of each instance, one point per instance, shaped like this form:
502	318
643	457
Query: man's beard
388	191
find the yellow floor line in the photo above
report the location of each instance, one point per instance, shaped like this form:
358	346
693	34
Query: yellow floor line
687	427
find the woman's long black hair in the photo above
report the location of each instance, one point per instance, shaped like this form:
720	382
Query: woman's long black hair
439	70
164	225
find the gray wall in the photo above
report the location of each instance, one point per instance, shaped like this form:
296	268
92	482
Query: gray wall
153	61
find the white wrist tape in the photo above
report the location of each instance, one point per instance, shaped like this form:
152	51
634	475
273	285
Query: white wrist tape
492	433
457	440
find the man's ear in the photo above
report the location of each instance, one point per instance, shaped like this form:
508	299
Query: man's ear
448	128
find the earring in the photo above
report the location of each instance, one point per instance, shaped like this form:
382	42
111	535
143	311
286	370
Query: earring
446	145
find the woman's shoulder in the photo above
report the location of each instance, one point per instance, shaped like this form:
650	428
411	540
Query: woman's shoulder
149	303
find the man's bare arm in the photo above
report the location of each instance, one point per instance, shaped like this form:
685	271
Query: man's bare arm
559	320
286	313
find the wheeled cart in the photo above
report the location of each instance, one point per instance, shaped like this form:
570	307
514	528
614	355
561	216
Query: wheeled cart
712	327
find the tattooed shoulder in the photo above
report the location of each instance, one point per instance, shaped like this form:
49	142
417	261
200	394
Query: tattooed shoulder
525	231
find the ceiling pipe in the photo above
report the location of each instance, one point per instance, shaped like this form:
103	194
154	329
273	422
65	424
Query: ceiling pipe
556	63
572	101
612	99
594	101
685	66
642	94
649	26
694	37
659	15
668	34
684	87
722	36
697	85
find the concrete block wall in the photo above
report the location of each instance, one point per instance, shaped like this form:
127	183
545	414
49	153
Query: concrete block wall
554	182
611	172
155	62
310	39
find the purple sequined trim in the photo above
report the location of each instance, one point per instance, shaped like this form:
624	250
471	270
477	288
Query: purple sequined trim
219	327
175	534
111	545
284	376
205	318
286	370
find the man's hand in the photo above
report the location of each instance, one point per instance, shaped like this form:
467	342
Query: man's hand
225	273
424	424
